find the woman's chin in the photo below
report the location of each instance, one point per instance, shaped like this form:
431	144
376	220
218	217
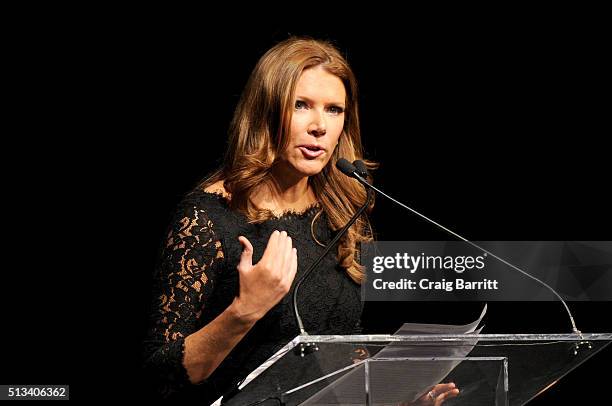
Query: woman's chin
311	167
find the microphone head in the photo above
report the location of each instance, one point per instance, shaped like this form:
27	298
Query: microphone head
362	169
345	167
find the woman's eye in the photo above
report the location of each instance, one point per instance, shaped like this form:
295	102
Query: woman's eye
336	110
300	105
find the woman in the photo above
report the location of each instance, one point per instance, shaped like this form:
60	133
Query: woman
237	242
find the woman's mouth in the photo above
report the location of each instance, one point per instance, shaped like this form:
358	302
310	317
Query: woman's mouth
311	151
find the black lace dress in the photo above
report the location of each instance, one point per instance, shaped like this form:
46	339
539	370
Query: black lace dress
196	279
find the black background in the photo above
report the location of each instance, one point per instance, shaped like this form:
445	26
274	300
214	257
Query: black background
496	131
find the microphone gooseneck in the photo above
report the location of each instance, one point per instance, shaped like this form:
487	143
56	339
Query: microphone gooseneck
354	172
342	165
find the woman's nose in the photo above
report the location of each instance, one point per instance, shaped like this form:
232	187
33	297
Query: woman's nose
317	127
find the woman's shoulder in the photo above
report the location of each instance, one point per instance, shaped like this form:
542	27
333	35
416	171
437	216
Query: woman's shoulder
217	188
210	202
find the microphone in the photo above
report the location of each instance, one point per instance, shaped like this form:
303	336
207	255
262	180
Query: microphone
362	169
346	167
306	348
359	171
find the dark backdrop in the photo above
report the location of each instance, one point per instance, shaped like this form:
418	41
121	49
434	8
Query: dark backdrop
496	133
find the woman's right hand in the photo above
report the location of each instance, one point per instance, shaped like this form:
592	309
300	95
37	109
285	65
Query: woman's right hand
264	284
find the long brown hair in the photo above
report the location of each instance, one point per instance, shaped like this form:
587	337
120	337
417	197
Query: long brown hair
259	132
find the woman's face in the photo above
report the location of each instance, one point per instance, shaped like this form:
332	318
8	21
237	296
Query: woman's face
317	122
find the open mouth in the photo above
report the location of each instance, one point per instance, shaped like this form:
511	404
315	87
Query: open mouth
311	151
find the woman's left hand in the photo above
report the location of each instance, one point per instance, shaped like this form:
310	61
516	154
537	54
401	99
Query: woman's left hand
436	395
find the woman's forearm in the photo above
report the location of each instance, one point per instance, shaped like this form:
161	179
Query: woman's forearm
261	287
207	348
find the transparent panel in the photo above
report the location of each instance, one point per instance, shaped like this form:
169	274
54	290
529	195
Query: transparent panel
488	369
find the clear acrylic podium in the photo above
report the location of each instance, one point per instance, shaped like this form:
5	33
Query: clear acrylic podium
489	369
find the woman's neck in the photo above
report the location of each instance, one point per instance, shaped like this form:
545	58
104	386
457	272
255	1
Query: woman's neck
283	193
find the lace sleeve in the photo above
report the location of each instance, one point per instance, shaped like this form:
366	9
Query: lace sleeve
185	278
